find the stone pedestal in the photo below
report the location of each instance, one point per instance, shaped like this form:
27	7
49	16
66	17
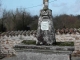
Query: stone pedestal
45	31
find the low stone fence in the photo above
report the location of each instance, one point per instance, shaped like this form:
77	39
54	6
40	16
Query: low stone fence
10	39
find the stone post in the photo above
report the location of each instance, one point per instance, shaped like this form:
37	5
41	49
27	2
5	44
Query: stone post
45	31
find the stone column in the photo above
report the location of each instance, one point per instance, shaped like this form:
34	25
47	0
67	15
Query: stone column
45	31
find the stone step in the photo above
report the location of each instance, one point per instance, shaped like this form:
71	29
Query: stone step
44	51
57	48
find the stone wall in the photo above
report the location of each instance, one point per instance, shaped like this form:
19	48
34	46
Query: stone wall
10	39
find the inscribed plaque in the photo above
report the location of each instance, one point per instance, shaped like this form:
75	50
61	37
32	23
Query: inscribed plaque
44	25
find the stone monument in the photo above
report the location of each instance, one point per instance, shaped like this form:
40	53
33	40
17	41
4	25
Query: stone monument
45	31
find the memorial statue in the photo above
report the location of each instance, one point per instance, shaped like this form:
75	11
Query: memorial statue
45	31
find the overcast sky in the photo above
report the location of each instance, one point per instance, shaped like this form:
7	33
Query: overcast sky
58	6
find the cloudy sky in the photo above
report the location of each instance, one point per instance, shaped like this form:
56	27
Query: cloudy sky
58	6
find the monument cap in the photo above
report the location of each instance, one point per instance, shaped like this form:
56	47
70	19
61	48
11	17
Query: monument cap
45	2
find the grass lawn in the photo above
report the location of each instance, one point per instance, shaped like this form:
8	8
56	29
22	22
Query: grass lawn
29	42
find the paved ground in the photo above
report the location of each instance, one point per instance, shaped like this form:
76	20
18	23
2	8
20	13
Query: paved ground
75	58
39	56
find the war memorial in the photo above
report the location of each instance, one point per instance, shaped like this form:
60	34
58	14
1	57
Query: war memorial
44	45
45	32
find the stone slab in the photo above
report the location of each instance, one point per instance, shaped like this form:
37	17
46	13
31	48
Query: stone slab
43	47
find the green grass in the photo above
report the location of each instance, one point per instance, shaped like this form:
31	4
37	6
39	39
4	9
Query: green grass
32	42
28	42
65	43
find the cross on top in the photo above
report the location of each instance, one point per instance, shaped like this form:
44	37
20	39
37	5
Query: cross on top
45	2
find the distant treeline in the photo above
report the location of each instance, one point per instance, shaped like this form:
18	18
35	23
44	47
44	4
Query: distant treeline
22	20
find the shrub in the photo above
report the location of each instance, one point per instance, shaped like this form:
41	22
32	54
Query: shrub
28	42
